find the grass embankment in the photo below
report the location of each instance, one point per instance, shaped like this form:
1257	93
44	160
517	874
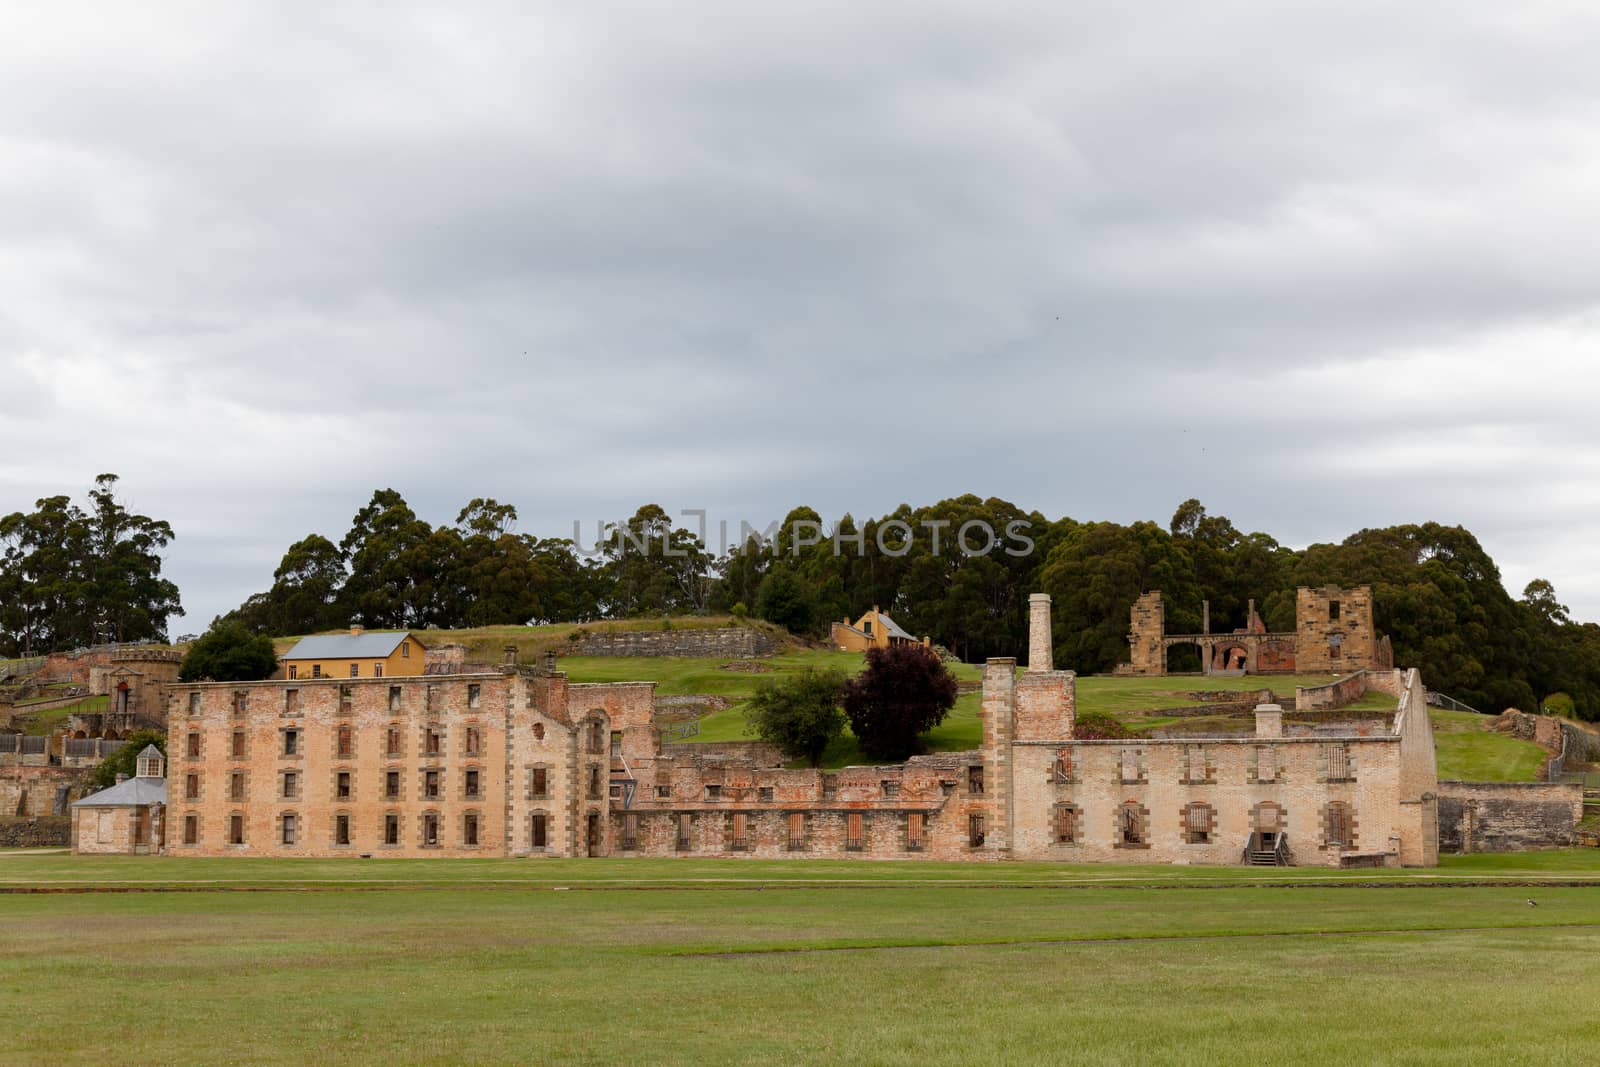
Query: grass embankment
1468	751
487	643
907	971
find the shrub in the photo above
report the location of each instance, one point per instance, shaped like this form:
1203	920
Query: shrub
800	714
904	692
1098	726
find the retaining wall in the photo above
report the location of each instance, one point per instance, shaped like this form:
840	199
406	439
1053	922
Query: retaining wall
723	642
1507	816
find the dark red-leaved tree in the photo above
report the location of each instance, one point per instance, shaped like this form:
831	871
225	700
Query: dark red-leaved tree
904	692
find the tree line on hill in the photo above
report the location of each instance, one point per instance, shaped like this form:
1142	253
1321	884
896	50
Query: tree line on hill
70	577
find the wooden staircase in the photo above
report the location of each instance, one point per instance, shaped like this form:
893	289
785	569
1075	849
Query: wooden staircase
1267	850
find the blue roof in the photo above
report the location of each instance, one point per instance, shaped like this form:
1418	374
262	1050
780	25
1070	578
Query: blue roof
348	646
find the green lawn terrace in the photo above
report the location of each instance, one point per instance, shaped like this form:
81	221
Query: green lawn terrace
1468	749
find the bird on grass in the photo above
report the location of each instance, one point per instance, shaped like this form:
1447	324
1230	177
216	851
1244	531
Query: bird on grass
1532	903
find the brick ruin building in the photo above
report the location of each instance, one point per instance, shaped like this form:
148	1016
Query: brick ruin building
519	761
1333	633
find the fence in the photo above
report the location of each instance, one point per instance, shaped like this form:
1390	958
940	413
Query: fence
96	747
1439	700
23	745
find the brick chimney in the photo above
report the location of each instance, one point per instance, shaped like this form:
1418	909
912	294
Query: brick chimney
356	629
1040	652
511	655
550	661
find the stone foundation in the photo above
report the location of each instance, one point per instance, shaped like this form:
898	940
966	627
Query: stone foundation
1507	816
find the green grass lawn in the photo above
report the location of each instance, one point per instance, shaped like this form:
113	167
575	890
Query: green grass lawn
1468	751
881	963
40	723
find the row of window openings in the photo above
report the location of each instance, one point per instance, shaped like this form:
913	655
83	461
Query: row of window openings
798	832
291	697
344	742
343	830
289	785
1198	823
1197	769
888	788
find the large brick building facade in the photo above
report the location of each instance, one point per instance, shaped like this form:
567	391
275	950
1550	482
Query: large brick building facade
521	761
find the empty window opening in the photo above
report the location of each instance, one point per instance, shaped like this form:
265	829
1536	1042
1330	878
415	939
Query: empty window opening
394	698
341	785
291	742
430	784
193	741
976	825
191	787
469	828
540	829
474	695
391	785
236	785
473	782
238	744
191	829
538	782
430	830
391	829
341	829
975	779
236	829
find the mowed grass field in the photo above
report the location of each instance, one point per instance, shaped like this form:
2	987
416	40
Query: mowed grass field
708	962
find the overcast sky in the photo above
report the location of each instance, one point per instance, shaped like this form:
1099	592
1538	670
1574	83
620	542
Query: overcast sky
1322	271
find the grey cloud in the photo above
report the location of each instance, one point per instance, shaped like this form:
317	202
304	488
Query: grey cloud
264	261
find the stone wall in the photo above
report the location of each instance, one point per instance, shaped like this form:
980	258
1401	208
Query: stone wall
728	642
1147	625
30	791
1507	816
49	831
759	753
1346	690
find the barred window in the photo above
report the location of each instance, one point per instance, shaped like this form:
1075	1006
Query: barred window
1197	822
797	831
1130	825
853	838
976	829
630	831
685	831
1066	824
915	831
1339	763
739	832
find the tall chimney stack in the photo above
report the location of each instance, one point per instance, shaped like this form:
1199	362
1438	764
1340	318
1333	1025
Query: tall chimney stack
1039	645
